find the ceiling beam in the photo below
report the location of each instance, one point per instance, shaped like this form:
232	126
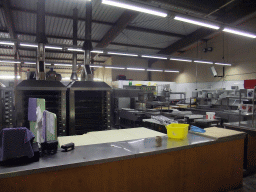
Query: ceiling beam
153	31
191	38
103	23
116	29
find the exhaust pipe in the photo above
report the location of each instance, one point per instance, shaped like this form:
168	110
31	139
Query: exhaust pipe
41	39
75	18
86	74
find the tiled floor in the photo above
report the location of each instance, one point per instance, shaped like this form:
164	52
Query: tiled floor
249	184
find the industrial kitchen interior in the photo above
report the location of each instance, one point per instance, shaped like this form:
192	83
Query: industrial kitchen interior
132	95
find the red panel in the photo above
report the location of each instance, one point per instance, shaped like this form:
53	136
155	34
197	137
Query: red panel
249	84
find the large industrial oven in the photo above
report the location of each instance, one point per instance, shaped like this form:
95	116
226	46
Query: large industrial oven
54	93
89	107
7	118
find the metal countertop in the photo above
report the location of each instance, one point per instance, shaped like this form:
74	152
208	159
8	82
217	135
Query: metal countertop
244	125
106	152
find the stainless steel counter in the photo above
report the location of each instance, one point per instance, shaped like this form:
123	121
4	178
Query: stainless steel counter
244	125
108	152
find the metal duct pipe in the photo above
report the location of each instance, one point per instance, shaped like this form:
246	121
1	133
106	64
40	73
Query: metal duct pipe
86	73
41	39
75	19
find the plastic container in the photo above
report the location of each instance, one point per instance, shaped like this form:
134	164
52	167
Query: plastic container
177	131
210	115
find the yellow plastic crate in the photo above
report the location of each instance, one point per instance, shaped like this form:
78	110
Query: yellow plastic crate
177	131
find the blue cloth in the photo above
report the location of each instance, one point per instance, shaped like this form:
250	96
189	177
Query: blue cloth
197	129
32	104
16	142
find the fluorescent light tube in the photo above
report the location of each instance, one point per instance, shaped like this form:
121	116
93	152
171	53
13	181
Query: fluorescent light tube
196	22
109	67
28	45
72	49
48	64
96	51
206	62
6	43
171	71
66	65
154	57
239	32
134	8
136	69
223	64
66	79
29	63
124	54
3	61
156	70
96	66
177	59
53	47
8	77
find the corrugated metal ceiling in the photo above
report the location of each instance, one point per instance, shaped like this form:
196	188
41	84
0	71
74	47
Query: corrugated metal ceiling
144	39
6	52
26	53
4	35
25	22
101	12
163	24
98	30
27	38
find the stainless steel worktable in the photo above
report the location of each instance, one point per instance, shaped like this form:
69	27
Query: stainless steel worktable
246	126
107	152
137	165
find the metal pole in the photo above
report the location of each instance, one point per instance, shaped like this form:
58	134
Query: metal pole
86	73
75	19
41	39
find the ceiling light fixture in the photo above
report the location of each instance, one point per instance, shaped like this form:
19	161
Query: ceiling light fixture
223	64
96	66
48	64
66	65
136	69
28	45
6	43
123	54
53	47
109	67
177	59
96	51
239	32
171	71
3	61
153	57
97	79
205	62
134	8
8	77
72	49
203	24
29	63
156	70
